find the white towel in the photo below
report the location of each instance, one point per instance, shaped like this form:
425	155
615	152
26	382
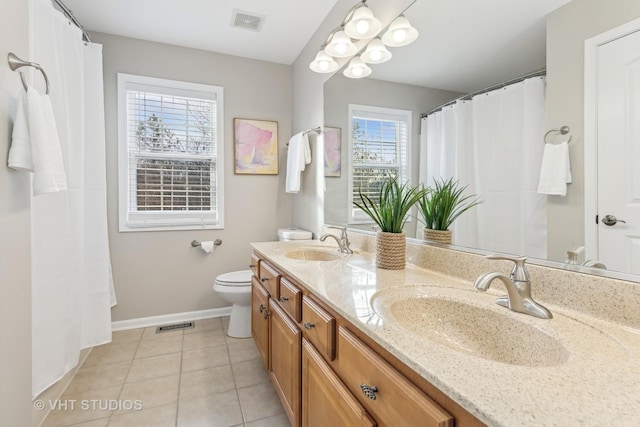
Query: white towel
555	172
20	157
298	156
36	145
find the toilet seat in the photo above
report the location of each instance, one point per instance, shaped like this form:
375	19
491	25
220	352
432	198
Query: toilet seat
235	278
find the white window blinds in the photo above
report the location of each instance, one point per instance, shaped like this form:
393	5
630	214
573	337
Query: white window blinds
379	140
171	151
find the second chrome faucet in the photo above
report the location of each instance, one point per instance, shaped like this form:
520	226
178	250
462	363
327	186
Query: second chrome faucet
518	286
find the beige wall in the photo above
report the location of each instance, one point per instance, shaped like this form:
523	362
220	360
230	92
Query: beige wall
157	273
340	91
15	234
308	204
567	29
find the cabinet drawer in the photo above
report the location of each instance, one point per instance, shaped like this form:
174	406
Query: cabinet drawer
269	277
392	400
255	264
290	299
319	327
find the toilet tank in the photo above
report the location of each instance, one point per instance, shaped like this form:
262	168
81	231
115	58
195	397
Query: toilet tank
286	234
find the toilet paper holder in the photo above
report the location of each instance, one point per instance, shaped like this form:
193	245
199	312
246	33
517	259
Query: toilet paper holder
196	243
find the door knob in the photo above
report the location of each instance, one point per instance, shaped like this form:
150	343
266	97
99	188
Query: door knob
611	220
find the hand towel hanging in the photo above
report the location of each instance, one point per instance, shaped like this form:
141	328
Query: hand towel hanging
298	156
555	172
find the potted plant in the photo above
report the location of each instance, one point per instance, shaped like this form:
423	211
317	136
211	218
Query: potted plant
441	205
389	211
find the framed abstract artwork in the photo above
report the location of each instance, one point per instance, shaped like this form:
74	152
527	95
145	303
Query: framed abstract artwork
255	146
332	151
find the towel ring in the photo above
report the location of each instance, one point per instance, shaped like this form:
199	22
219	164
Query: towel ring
15	63
563	131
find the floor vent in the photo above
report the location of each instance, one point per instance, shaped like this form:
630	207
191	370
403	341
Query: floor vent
247	20
168	328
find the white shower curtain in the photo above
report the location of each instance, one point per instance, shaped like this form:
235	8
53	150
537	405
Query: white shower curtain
72	290
493	143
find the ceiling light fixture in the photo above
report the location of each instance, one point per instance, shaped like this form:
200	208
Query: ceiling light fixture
323	63
341	45
357	69
376	52
362	24
400	33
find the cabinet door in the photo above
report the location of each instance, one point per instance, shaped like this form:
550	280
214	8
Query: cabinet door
325	400
285	343
260	319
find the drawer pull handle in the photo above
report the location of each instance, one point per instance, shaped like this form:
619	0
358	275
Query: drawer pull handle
309	325
283	299
266	314
369	391
262	308
264	279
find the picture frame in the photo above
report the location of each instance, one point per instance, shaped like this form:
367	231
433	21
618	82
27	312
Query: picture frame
255	146
332	151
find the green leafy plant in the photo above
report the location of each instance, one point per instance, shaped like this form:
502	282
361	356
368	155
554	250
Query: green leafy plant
390	209
443	203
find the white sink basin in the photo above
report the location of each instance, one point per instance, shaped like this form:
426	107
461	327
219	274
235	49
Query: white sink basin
313	254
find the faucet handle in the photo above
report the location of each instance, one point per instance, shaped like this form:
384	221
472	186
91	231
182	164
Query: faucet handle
342	229
519	272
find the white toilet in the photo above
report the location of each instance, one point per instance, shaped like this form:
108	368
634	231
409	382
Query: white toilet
235	288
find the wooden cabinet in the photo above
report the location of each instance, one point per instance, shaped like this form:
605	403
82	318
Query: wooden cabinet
290	299
319	327
325	400
269	278
285	359
260	319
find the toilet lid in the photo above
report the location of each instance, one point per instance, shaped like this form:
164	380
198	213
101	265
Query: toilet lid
235	278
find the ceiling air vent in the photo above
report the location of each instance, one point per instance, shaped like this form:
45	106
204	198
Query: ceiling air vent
246	20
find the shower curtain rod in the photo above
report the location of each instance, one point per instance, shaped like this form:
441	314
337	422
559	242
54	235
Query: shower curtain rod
69	14
489	89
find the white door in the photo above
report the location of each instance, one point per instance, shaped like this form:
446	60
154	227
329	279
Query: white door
618	153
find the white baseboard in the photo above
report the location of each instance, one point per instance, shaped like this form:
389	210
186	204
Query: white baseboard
143	322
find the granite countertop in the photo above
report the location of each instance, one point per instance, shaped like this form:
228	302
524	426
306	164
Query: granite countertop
571	370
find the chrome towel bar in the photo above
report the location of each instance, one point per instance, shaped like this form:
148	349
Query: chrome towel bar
15	63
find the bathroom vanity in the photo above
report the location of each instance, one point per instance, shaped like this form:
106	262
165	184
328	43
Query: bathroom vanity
348	344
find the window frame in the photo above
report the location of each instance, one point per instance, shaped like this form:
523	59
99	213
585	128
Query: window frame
168	220
355	215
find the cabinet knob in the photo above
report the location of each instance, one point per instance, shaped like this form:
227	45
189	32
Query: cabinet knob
266	314
308	325
283	299
262	308
369	391
252	266
264	279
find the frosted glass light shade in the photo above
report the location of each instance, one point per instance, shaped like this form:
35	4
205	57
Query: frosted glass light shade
376	53
400	33
362	24
323	63
357	69
340	46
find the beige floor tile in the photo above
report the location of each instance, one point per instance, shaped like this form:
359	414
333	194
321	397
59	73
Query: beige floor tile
250	372
150	333
158	346
98	377
154	367
206	382
127	336
259	401
160	416
102	422
81	407
221	409
225	322
204	339
205	358
241	350
204	325
277	421
153	392
111	353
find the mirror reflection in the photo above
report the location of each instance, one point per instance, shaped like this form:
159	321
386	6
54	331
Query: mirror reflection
492	143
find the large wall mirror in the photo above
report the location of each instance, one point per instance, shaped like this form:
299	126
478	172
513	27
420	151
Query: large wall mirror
464	48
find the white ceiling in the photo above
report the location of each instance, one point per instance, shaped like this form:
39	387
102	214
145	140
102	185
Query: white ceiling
464	45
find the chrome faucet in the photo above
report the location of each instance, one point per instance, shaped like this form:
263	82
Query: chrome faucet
518	286
343	241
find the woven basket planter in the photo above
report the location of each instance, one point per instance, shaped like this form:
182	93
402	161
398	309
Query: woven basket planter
437	236
391	250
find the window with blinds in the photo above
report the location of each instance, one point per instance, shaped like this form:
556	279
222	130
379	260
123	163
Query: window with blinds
379	146
170	154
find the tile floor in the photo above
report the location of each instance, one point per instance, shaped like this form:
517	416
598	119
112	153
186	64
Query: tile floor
187	378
